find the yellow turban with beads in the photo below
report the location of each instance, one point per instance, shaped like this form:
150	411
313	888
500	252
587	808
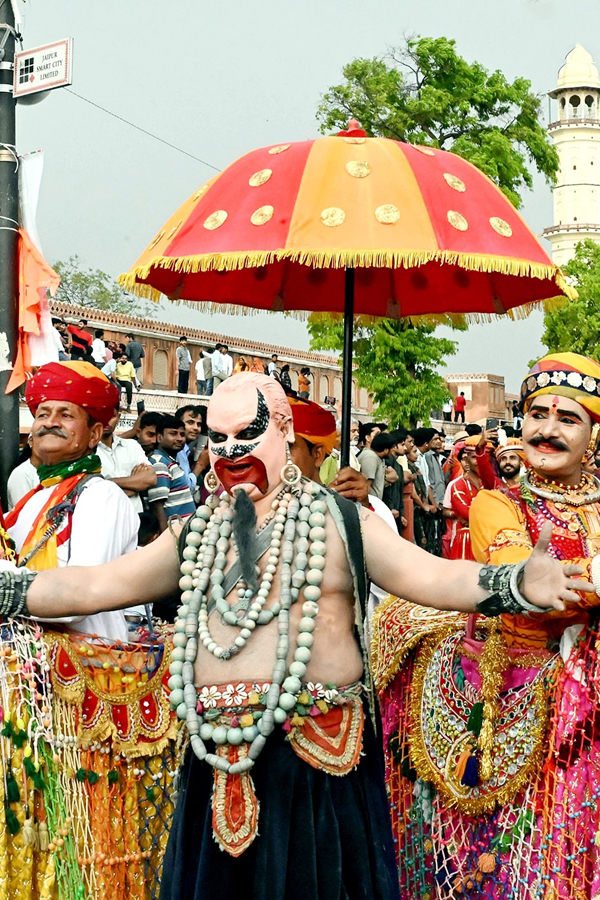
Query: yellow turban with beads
567	375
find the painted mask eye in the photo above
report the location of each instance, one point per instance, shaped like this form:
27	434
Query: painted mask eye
216	436
260	423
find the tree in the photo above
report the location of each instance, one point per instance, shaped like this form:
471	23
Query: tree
395	361
95	289
425	93
575	327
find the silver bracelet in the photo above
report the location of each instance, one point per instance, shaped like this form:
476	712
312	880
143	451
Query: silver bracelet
505	596
13	592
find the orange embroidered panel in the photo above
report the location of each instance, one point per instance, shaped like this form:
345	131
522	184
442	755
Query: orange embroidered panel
331	742
234	804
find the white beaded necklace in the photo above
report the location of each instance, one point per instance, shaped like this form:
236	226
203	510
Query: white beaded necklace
299	525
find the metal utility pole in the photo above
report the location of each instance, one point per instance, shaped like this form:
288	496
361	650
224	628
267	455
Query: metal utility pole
9	272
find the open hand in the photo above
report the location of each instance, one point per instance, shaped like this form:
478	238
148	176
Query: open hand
548	583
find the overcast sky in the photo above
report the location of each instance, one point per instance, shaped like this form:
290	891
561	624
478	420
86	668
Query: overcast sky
220	78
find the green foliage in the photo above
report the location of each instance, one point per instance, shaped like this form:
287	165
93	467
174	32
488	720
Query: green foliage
575	327
95	289
425	93
395	361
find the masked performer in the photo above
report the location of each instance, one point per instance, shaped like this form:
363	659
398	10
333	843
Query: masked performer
494	740
268	673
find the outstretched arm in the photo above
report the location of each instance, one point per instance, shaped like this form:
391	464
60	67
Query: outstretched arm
403	569
145	576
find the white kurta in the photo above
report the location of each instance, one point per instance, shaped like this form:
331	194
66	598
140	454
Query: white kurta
104	527
20	481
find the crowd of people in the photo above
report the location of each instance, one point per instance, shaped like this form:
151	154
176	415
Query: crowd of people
428	480
255	480
122	361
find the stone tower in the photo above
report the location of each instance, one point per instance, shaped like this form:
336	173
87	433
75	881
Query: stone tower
576	134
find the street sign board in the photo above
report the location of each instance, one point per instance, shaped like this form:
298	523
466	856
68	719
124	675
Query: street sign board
43	68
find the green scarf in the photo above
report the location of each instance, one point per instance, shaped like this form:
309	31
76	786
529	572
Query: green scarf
53	474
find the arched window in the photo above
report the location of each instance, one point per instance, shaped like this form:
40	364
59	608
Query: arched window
160	368
590	103
337	388
574	102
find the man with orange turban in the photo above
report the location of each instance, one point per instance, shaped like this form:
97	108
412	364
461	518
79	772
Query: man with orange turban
316	429
74	516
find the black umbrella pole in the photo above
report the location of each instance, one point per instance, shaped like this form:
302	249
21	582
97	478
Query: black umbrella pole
347	374
9	279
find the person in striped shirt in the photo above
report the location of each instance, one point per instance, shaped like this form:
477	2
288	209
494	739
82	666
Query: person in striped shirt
171	497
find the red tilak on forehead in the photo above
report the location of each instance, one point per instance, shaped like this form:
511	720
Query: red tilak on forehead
555	402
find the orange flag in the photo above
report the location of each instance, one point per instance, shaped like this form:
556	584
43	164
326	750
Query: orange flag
35	276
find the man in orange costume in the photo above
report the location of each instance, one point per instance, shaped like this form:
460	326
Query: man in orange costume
493	733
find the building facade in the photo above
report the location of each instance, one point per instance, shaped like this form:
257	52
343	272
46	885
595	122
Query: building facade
160	341
576	135
485	394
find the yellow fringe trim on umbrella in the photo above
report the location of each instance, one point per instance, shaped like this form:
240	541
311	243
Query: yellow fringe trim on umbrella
338	259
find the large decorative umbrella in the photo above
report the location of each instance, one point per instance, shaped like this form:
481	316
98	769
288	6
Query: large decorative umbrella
349	224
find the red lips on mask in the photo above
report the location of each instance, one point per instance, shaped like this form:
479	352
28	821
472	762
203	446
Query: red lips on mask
244	470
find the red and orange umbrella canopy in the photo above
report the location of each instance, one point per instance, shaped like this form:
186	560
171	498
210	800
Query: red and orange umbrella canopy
426	232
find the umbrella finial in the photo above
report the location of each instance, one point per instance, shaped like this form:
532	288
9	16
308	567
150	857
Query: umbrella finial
353	130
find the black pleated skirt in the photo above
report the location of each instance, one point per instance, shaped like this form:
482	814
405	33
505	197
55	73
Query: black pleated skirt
321	836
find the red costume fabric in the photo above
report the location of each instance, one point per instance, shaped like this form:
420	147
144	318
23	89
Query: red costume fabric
462	494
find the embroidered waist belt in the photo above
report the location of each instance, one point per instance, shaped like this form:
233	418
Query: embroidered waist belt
324	729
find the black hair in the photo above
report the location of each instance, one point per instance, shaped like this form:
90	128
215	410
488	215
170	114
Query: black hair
82	321
383	441
149	528
189	407
98	333
473	429
399	434
382	426
224	347
130	336
183	338
147	419
422	435
285	367
169	421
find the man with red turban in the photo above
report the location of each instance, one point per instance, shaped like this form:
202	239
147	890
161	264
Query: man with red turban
74	516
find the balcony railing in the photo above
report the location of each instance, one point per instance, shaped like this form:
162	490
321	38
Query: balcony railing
576	120
574	226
